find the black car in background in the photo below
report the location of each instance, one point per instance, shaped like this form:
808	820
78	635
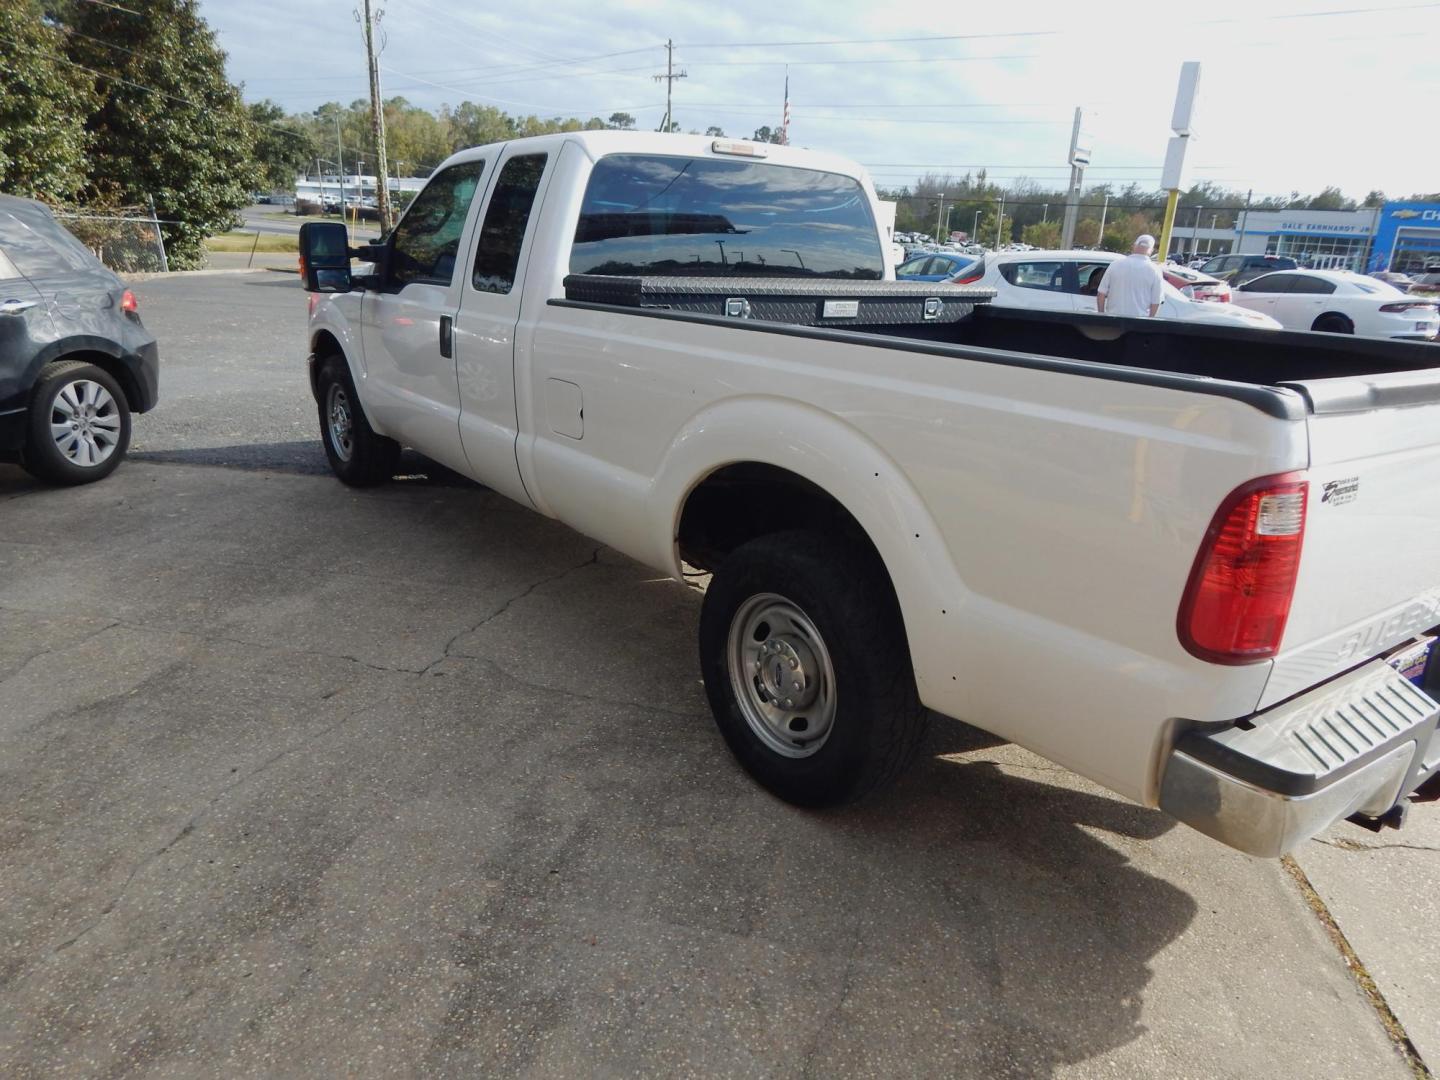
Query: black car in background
75	360
1238	269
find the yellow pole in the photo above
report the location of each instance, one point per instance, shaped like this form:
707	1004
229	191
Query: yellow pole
1170	206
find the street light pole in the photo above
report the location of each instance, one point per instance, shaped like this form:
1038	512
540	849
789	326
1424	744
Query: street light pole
975	229
939	214
1000	221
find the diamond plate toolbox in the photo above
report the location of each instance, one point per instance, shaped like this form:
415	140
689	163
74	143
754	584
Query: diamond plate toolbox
798	302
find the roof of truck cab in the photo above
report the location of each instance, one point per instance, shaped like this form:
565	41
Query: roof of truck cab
598	144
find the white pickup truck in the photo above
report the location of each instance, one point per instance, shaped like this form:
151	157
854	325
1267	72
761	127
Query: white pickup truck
1198	565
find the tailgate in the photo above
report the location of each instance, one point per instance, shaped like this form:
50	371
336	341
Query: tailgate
1370	566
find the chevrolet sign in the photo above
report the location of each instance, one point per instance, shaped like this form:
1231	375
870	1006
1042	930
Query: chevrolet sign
1405	213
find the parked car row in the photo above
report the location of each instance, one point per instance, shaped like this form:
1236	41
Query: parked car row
1069	280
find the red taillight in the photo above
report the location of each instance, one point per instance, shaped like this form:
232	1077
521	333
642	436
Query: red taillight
1412	306
967	280
1238	599
127	303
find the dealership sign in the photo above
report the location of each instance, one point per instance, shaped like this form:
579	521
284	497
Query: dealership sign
1408	214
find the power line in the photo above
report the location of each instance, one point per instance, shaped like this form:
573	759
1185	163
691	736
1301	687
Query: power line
864	41
503	101
115	7
1040	33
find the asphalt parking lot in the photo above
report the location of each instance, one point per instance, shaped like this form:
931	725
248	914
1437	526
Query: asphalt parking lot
304	781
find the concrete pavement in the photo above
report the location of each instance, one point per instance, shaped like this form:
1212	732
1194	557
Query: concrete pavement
305	781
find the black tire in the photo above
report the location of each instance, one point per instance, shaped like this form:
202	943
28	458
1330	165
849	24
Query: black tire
1333	324
878	722
358	456
104	429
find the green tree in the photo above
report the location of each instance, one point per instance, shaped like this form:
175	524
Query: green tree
715	132
415	138
283	146
475	125
175	129
765	134
621	120
43	105
1043	234
1374	199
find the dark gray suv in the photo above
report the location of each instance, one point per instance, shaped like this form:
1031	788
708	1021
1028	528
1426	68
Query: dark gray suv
75	360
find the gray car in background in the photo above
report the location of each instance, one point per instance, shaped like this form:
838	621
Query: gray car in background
75	360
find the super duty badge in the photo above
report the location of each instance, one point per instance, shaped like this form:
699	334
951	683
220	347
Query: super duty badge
1340	492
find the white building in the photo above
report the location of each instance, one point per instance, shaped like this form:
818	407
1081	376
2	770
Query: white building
328	187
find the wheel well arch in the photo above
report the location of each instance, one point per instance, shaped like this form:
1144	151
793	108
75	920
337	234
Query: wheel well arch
134	398
322	345
1330	316
744	500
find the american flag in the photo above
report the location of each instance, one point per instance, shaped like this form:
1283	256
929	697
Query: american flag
785	122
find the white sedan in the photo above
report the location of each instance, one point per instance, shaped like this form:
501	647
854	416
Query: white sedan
1339	302
1068	280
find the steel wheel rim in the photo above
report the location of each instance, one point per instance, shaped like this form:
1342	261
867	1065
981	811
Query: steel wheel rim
774	649
341	422
85	423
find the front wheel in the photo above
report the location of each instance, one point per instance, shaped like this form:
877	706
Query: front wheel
358	455
807	669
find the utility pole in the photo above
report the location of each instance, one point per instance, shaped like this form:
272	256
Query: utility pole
1000	221
1100	236
975	229
1079	157
377	118
939	216
669	80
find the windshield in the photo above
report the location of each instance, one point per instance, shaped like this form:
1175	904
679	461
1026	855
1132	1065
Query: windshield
653	214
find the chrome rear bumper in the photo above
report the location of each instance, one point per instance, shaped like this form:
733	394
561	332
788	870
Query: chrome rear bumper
1267	783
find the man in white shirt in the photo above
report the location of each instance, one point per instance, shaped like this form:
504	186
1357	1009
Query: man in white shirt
1132	285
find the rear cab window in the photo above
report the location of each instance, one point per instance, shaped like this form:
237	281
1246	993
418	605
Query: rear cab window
497	254
651	214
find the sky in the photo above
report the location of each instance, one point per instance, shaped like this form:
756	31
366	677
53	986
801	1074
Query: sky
1294	94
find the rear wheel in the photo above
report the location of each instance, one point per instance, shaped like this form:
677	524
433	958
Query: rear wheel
807	669
358	456
79	424
1333	324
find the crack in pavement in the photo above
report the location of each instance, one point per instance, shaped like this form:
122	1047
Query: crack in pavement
832	1017
504	607
560	691
1342	844
189	827
53	649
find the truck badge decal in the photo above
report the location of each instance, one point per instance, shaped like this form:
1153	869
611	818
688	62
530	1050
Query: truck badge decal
1340	492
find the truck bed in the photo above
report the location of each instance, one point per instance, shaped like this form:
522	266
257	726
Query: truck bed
1285	373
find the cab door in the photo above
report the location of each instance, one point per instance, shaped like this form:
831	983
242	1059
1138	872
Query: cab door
410	386
485	324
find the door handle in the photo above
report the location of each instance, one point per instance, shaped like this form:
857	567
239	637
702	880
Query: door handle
447	336
16	307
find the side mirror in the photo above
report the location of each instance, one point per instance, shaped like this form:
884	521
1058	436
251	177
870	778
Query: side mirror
325	257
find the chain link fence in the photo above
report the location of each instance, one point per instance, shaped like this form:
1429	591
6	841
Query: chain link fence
127	242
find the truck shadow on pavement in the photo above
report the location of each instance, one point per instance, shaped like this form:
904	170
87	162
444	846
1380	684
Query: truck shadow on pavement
437	773
300	457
